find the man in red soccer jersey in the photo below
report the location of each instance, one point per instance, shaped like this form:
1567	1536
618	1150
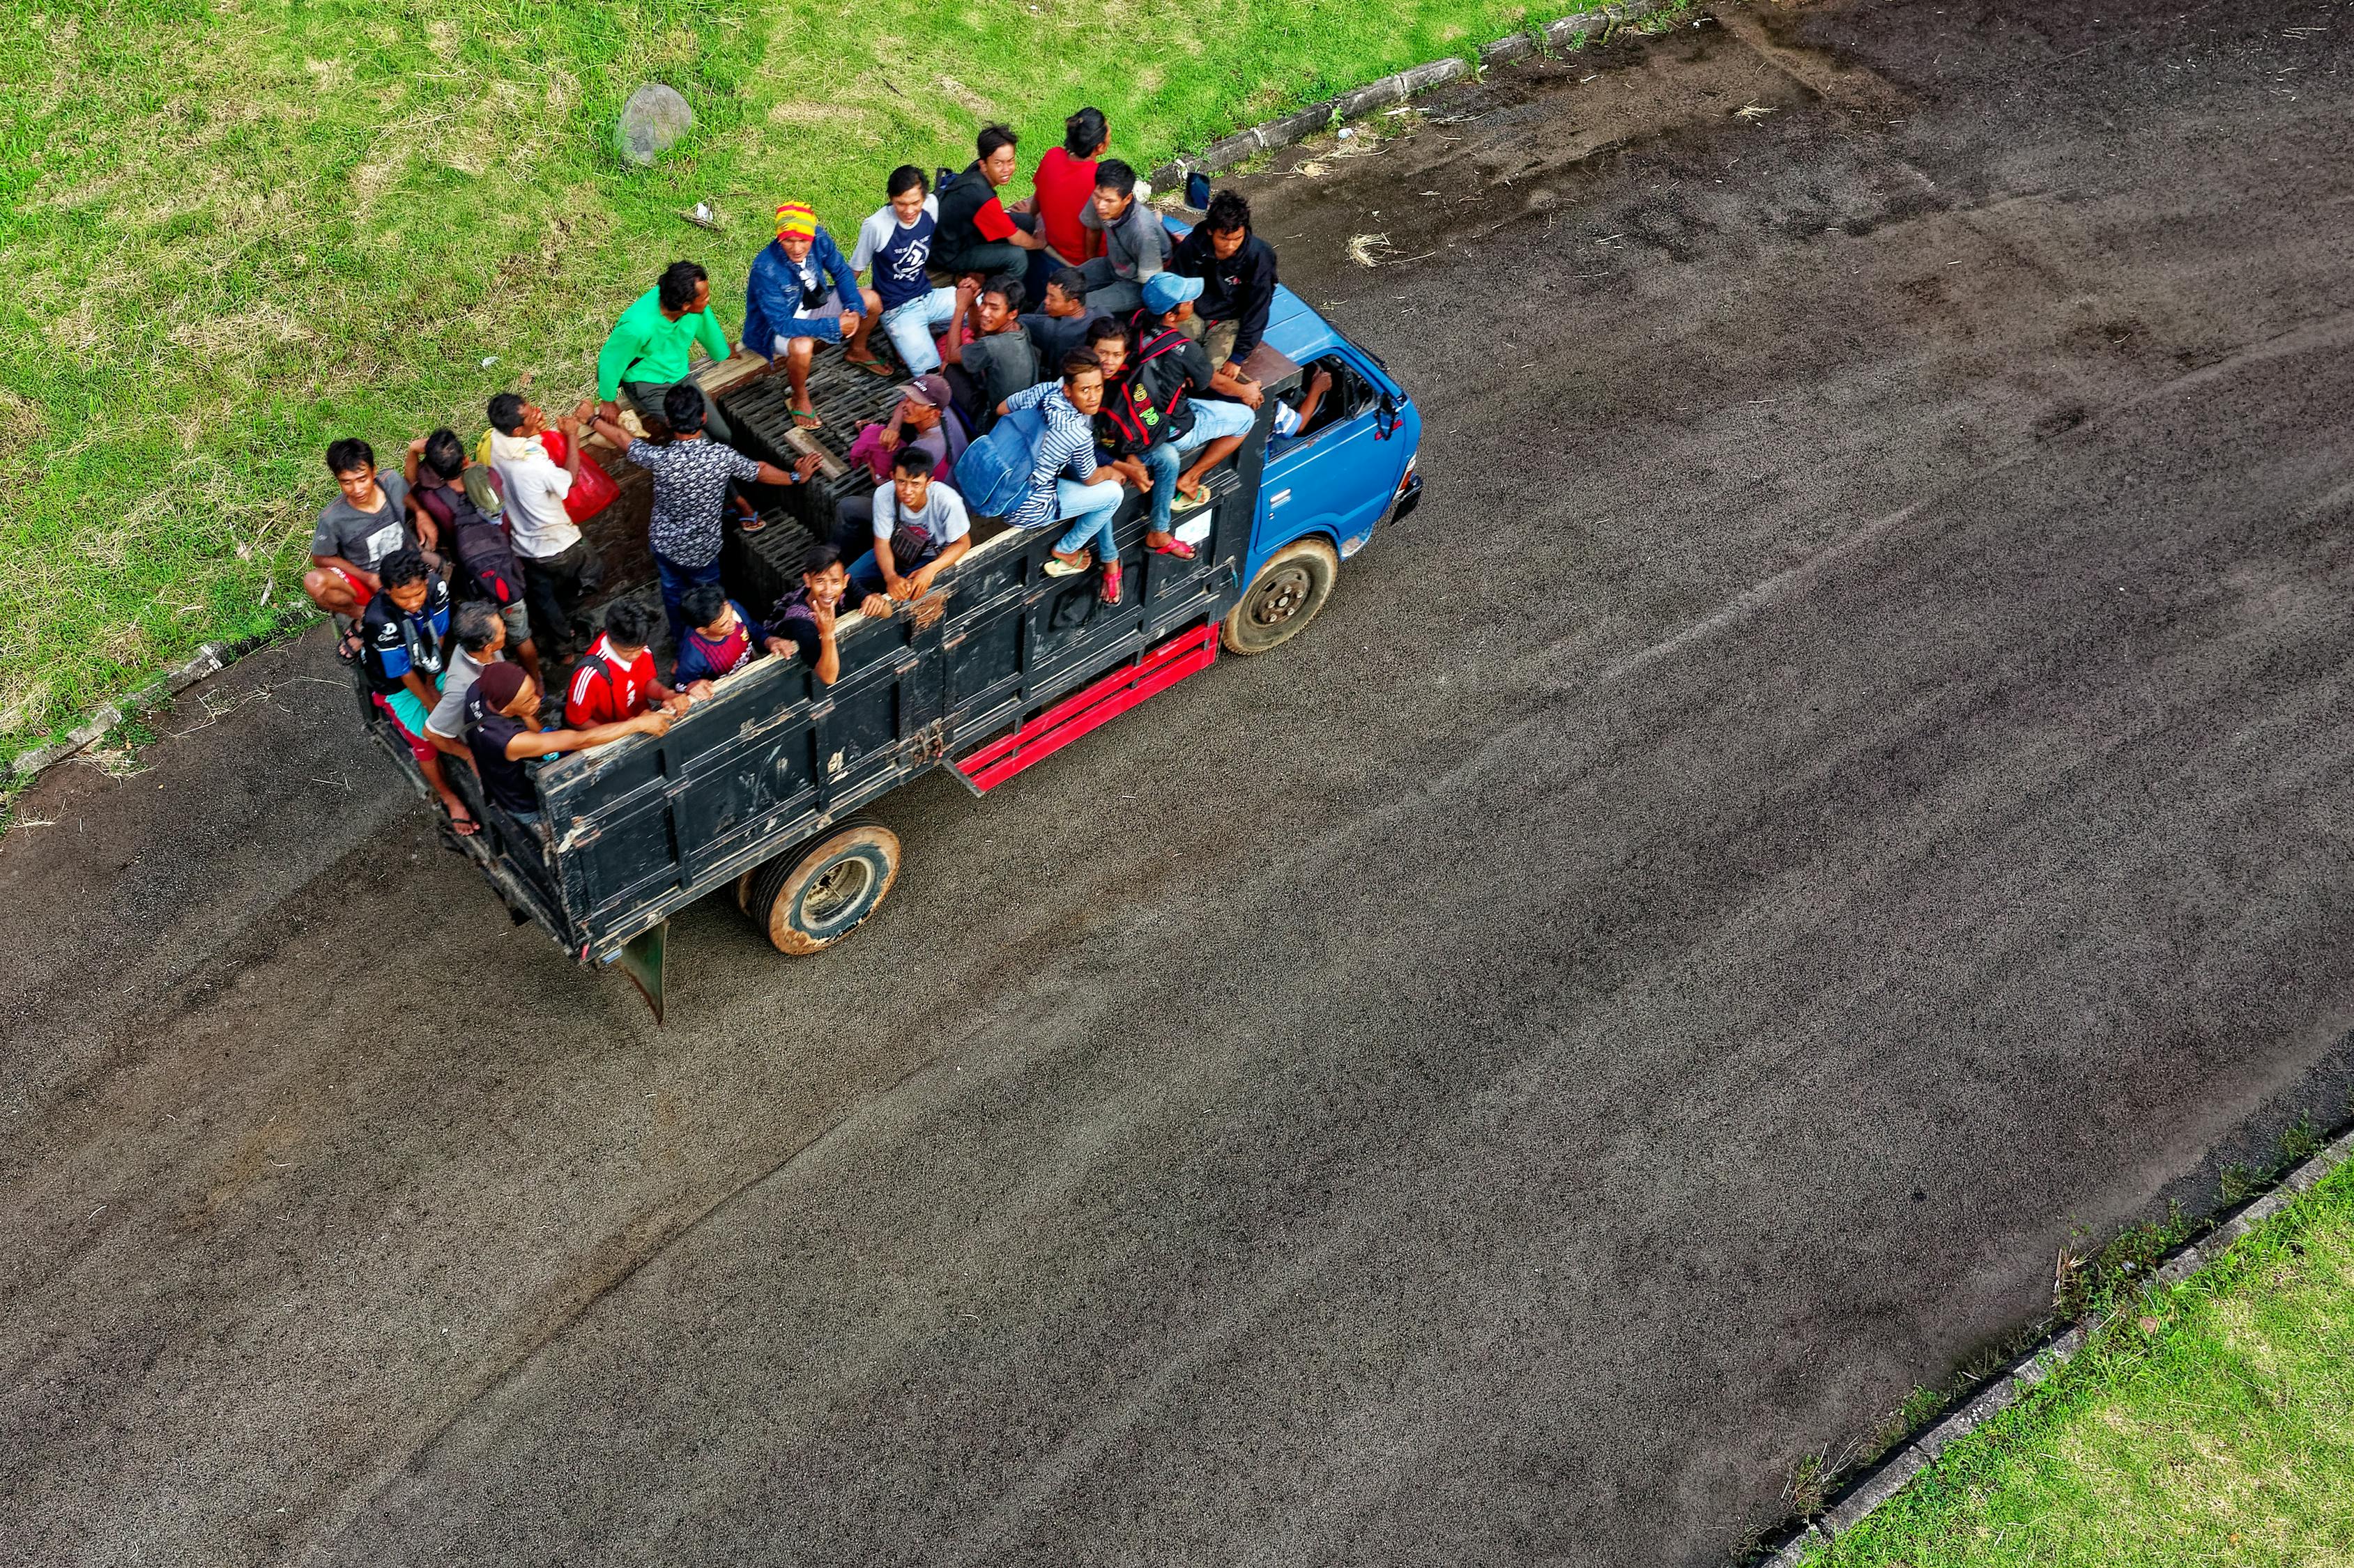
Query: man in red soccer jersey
615	681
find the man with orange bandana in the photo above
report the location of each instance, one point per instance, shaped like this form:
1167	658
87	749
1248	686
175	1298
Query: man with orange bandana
801	293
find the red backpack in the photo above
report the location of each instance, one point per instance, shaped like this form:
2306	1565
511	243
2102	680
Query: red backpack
1137	417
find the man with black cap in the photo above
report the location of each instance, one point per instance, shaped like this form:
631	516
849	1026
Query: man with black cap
504	734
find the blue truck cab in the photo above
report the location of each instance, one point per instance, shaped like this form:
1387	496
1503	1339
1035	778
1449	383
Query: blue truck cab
1354	465
763	788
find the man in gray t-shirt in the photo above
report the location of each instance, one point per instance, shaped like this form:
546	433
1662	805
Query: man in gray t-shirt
481	633
913	500
368	521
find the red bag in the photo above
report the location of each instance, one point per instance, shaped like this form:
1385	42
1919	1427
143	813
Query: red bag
593	489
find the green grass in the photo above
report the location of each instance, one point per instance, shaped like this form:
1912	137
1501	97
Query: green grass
234	229
2211	1425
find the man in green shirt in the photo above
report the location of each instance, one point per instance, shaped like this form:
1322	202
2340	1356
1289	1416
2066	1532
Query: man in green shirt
647	352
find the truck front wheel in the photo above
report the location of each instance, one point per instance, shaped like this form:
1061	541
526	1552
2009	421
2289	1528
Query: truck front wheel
1283	599
812	898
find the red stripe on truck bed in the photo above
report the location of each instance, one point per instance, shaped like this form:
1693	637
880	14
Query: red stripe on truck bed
1161	668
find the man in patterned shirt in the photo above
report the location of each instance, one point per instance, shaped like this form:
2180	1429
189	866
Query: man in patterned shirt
692	476
1066	480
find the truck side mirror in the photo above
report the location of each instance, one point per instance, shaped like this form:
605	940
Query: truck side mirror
1385	421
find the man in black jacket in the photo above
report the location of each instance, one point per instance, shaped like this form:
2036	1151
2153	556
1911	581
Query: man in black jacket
1237	272
976	232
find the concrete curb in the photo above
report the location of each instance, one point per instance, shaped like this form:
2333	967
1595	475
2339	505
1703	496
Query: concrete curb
1891	1477
1568	33
211	660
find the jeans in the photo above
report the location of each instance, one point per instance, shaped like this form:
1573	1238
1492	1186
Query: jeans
553	588
1091	508
992	258
912	326
675	581
1212	421
646	397
854	536
1108	291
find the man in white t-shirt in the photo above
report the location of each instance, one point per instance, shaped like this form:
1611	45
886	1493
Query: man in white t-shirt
895	245
912	501
559	569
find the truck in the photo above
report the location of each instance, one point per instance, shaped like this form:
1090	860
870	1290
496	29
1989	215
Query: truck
761	791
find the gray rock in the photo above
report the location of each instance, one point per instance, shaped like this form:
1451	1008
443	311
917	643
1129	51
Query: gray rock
652	123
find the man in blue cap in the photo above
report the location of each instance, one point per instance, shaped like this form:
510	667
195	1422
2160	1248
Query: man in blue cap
1171	403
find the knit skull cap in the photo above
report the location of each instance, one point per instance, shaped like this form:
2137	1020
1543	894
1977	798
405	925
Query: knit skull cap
500	684
797	217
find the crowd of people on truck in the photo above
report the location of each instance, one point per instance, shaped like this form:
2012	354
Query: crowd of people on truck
460	579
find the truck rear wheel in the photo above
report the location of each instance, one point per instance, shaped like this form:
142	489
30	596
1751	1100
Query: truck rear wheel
812	898
1283	599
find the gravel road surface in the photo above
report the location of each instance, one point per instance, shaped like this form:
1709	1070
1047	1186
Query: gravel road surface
1837	792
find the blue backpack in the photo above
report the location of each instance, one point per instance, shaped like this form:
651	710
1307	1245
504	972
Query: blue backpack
993	474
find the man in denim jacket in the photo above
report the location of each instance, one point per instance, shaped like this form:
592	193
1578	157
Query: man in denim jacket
801	291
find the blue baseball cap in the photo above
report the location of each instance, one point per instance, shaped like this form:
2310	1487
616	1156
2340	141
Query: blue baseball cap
1164	291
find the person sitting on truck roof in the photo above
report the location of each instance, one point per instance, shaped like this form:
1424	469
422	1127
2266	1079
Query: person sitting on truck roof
977	234
502	734
1136	246
467	510
404	628
895	249
370	520
650	348
719	641
616	679
802	621
1237	272
1167	406
480	635
1061	324
1065	480
801	293
912	500
990	352
692	476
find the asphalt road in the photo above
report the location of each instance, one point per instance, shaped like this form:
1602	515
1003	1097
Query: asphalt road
1837	793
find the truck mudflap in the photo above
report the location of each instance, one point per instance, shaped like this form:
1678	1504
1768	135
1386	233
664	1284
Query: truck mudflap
1160	668
644	959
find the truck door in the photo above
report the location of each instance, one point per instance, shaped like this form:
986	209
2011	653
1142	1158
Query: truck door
1335	477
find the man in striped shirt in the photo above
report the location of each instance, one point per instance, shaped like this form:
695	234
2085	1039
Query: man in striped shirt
1066	480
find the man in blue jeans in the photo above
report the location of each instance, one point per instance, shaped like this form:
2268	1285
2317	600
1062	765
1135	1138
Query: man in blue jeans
1066	480
692	476
895	247
1171	404
914	500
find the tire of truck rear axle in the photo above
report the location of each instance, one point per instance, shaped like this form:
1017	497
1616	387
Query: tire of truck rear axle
811	898
1283	599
